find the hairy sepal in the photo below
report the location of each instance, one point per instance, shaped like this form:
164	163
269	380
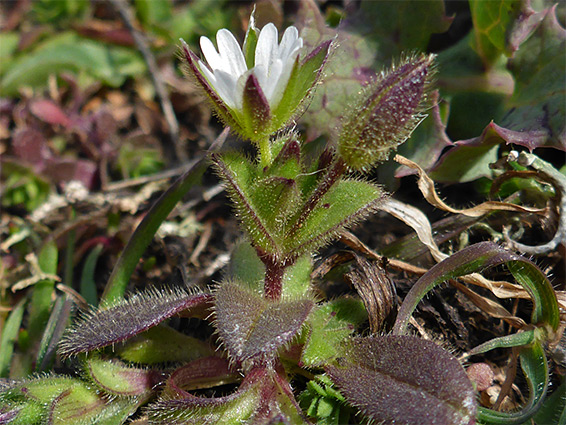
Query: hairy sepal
404	379
251	327
124	319
388	112
239	176
302	82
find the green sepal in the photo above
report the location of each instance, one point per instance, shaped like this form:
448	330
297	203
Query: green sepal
163	344
343	205
301	83
250	42
239	176
327	326
276	199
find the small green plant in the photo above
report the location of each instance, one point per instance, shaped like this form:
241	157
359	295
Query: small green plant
272	329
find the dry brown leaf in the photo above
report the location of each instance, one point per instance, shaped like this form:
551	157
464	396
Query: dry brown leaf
426	185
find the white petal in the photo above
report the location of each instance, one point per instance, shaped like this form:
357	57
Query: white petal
207	73
272	78
231	53
210	54
282	82
288	40
266	48
226	88
260	71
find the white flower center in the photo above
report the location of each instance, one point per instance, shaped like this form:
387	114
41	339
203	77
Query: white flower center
273	64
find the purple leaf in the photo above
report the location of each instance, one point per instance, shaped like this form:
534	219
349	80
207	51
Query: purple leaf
252	327
404	380
117	323
31	146
49	112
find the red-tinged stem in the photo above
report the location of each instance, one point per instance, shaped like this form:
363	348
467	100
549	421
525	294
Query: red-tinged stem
335	171
273	285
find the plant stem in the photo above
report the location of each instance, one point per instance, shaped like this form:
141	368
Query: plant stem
273	285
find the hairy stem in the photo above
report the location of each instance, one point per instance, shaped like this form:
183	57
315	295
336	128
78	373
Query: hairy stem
273	285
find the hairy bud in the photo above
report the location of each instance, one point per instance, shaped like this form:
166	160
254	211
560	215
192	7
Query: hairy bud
388	112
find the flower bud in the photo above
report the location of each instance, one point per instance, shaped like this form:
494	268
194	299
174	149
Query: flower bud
387	113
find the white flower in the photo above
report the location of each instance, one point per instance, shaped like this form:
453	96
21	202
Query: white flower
272	66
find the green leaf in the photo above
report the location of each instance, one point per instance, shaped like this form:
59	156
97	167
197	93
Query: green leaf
143	235
327	326
88	284
553	410
535	368
537	107
69	53
154	12
40	305
346	203
479	257
163	344
240	177
8	46
115	377
9	336
492	22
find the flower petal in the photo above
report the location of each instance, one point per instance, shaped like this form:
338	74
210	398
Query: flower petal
289	42
273	78
210	54
231	53
266	49
226	88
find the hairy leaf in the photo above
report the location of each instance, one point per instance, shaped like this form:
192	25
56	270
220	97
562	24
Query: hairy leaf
404	380
163	344
251	326
126	318
327	327
206	372
346	203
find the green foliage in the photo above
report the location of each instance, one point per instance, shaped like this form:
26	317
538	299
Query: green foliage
327	327
68	52
22	187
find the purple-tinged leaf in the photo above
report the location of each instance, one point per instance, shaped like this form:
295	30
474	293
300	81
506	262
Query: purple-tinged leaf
251	327
31	146
202	373
126	318
264	397
404	380
49	112
469	159
537	106
476	258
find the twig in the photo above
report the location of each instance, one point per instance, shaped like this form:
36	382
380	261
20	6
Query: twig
125	12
